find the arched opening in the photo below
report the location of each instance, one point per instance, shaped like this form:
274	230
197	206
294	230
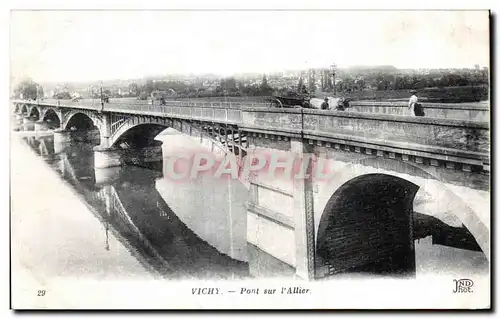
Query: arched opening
51	118
79	122
24	109
138	146
366	227
34	113
83	129
139	136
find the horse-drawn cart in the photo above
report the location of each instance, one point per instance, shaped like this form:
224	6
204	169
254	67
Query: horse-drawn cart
289	101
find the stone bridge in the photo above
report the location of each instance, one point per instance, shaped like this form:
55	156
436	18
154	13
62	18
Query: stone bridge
386	167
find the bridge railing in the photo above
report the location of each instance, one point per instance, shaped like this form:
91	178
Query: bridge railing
457	111
141	105
197	112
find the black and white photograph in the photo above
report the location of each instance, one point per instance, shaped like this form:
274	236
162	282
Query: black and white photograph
250	159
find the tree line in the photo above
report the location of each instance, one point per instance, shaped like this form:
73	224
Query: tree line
381	81
225	87
347	81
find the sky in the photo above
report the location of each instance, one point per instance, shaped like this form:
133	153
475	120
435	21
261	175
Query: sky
73	46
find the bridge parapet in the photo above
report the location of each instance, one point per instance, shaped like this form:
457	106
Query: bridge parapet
461	141
453	106
130	103
460	111
423	138
202	113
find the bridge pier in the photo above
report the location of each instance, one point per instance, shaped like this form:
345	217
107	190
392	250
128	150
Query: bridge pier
40	125
106	176
28	120
89	136
105	157
280	216
62	139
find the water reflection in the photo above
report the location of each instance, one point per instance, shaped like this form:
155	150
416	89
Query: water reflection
127	201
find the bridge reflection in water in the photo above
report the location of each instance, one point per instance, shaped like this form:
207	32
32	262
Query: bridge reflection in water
128	203
168	227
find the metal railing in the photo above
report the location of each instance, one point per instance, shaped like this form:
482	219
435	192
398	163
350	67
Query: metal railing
222	112
96	104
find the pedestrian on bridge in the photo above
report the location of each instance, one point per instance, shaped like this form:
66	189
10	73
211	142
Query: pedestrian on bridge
324	105
413	105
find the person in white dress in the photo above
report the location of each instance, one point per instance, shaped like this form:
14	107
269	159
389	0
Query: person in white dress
412	101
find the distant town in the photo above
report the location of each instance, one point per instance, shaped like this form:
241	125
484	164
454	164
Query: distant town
360	82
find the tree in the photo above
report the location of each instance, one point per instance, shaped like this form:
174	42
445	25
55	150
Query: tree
265	88
39	92
301	88
63	95
133	89
28	89
264	81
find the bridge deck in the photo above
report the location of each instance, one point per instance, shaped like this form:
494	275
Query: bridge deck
458	140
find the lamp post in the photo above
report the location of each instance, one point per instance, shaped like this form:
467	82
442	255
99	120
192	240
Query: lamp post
91	93
333	70
107	235
102	99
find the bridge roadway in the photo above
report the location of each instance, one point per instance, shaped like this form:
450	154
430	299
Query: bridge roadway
312	225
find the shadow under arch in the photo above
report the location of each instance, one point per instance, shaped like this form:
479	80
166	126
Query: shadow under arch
139	135
50	116
79	121
83	128
34	112
417	175
367	226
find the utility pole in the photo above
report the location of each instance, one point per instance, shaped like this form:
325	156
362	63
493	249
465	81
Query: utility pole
333	70
102	99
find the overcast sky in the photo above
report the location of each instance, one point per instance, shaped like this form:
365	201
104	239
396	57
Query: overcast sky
99	45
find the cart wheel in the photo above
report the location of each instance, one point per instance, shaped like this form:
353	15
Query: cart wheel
276	103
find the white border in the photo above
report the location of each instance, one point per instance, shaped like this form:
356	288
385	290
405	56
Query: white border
256	4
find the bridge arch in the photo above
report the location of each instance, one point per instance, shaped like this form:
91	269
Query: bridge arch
142	131
80	120
50	115
372	232
142	134
149	128
34	112
24	109
448	196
